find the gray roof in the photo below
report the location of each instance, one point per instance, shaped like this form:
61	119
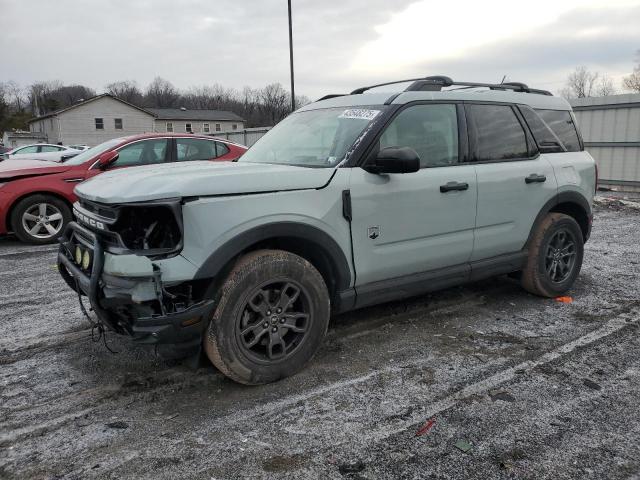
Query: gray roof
84	102
206	115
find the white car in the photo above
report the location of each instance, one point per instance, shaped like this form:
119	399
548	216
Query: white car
41	151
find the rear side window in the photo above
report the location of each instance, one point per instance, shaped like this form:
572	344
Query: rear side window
561	122
543	135
221	149
498	133
190	149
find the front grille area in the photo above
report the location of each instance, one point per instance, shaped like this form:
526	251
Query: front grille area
100	210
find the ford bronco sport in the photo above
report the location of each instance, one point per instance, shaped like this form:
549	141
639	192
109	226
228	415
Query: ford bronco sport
351	201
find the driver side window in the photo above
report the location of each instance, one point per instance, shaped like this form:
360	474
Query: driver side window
145	152
430	130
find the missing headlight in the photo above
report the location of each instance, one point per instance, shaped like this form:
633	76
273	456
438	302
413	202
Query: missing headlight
148	228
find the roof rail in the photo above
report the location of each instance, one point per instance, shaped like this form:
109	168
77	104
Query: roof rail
331	95
436	83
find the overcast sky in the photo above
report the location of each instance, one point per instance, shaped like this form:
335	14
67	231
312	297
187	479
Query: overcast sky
338	44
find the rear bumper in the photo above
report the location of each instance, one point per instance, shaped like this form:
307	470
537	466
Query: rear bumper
182	328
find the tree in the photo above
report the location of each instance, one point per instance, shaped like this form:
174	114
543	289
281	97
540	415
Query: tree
605	87
584	83
632	82
126	90
15	95
67	95
40	101
161	94
12	109
302	100
580	83
274	102
4	108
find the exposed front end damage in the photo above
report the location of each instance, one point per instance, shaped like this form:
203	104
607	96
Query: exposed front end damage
113	256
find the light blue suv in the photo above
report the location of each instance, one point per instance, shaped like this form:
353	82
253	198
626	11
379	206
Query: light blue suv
350	201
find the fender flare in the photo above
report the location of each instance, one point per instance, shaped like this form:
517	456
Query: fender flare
562	197
215	263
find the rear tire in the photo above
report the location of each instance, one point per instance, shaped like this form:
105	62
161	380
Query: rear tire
271	317
40	219
555	256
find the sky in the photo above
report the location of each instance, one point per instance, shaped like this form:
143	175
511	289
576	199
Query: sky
339	45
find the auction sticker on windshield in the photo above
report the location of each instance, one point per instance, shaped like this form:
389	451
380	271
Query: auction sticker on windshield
361	113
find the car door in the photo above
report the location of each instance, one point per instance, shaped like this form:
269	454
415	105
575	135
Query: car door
405	224
514	180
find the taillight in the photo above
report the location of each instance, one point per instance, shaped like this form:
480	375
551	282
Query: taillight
596	186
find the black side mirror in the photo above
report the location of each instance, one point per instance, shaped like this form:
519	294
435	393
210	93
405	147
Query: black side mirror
107	159
394	160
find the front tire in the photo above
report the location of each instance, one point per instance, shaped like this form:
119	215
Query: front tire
271	317
40	219
555	256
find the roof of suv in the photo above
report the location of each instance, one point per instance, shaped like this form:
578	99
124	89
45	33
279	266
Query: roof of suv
380	98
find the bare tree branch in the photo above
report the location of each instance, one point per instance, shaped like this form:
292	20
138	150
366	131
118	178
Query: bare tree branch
632	82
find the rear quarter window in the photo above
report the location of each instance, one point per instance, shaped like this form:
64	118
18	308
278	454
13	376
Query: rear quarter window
544	136
561	123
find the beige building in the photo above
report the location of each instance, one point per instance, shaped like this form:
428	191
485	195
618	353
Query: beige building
104	117
93	121
181	120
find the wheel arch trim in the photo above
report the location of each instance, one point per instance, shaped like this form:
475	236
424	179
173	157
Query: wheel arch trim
568	197
216	262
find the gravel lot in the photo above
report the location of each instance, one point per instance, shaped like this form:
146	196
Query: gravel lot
536	388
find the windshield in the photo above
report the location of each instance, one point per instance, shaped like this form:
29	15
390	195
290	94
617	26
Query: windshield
314	138
93	152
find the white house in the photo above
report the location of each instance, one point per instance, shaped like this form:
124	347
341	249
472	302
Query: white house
93	121
104	117
181	120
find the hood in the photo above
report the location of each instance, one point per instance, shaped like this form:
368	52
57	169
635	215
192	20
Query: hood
192	179
10	169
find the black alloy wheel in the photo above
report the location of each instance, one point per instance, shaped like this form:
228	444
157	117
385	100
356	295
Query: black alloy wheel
561	255
274	321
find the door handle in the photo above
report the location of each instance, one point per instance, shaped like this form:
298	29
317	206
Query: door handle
452	186
535	178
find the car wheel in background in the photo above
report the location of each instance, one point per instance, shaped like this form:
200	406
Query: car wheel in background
40	219
555	256
271	316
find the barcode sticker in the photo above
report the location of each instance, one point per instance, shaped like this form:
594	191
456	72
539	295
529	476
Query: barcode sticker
360	113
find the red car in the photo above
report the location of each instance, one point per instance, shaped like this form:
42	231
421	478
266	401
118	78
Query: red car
36	196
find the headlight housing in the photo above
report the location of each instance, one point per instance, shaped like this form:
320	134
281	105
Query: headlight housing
152	229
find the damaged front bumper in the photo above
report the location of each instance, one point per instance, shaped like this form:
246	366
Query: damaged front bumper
129	296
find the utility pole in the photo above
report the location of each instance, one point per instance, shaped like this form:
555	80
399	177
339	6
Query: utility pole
293	92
